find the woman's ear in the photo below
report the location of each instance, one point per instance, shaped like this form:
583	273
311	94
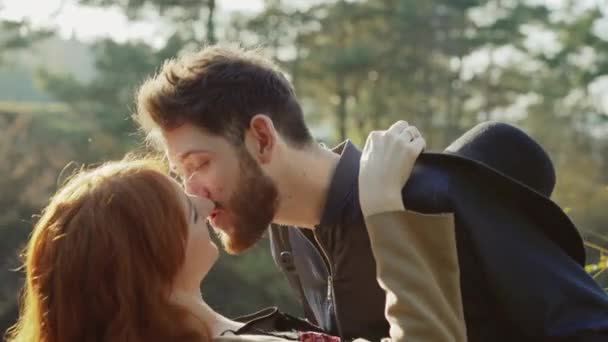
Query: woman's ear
262	138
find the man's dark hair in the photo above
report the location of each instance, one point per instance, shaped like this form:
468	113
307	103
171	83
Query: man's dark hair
220	89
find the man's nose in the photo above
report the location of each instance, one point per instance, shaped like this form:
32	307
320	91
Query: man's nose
189	187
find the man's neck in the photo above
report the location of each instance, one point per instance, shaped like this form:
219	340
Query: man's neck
194	303
304	186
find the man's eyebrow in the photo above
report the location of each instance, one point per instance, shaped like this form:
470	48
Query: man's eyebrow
182	156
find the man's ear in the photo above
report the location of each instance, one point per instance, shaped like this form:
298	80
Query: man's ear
262	138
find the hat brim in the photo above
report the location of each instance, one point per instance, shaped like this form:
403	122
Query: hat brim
553	221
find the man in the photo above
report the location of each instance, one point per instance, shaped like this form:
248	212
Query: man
233	129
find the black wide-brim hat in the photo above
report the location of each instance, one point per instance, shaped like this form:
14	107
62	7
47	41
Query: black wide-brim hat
503	157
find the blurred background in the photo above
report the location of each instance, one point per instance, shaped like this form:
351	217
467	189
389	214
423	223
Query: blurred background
69	69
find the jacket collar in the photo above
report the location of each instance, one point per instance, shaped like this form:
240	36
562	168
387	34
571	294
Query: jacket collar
270	321
343	182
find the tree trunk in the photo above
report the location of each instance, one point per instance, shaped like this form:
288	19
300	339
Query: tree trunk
342	110
211	39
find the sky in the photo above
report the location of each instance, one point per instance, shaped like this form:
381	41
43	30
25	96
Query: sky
90	23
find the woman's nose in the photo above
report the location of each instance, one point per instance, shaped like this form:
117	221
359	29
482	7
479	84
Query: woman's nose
203	205
195	188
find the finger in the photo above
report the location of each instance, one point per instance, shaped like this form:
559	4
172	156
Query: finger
418	144
398	127
415	131
373	135
370	138
410	133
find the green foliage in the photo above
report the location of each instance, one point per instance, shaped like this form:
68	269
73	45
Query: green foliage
16	35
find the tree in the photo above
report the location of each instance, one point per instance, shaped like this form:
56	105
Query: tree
15	35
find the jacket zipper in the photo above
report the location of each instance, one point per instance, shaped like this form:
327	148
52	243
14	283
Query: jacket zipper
330	284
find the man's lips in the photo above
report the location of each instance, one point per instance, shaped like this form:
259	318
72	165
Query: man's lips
213	215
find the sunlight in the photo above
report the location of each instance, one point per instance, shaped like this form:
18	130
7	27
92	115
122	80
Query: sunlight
88	23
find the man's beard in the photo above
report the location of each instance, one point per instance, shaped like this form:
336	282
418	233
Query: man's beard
251	207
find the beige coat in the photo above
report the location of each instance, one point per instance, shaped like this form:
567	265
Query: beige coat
417	266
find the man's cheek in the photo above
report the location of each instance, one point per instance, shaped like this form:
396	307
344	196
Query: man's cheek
219	188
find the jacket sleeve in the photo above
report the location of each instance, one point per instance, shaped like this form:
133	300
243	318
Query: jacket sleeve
536	284
417	266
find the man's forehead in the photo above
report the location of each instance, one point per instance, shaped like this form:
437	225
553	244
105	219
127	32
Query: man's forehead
179	140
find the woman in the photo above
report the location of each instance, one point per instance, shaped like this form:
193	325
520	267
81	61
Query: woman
120	252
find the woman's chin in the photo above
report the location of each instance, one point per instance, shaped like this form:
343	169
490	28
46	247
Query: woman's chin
216	252
210	259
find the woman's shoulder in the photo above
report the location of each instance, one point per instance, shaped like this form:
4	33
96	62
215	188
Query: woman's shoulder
270	324
272	320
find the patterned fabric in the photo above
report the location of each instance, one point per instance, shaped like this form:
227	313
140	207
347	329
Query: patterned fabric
317	337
